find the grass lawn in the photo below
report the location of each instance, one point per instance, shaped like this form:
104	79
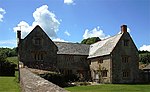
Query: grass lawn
9	84
111	88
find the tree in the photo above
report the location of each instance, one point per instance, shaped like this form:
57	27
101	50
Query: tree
91	40
144	57
8	52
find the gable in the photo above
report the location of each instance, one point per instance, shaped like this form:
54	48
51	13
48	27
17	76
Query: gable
37	33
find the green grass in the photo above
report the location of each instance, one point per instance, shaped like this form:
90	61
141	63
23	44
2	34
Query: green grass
9	84
111	88
13	59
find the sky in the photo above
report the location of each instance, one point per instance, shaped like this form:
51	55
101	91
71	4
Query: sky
75	20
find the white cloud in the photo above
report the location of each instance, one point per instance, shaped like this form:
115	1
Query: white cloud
67	33
145	48
128	30
8	43
44	18
69	2
2	12
96	32
24	27
59	40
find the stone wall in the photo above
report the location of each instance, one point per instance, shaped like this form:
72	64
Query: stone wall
32	83
74	64
100	64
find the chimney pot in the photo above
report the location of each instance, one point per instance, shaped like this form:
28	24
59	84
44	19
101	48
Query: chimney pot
123	28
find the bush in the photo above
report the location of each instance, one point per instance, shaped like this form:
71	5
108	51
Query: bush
59	79
82	83
71	78
6	68
55	78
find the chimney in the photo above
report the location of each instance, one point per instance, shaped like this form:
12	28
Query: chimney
18	37
123	29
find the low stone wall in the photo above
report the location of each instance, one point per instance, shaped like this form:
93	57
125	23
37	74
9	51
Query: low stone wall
32	83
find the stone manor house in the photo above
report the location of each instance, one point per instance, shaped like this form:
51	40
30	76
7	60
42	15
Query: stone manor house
111	60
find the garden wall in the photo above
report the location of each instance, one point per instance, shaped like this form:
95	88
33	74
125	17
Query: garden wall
30	82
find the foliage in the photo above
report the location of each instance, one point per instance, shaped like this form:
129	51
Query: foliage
142	52
7	52
54	78
144	57
110	88
9	84
71	78
82	83
6	68
13	59
90	40
59	79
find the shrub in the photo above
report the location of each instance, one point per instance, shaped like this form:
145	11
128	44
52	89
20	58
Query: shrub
82	83
60	79
71	78
6	68
55	78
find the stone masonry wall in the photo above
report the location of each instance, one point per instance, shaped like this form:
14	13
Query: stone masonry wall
32	83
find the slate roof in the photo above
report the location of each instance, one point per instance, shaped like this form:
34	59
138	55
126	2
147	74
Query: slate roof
72	48
104	47
147	67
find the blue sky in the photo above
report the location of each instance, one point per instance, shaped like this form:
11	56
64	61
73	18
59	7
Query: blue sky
74	20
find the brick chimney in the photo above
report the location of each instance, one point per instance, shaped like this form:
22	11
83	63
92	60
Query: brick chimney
18	37
123	29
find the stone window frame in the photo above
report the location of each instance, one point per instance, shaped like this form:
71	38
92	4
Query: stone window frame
38	55
104	73
126	73
37	40
100	61
125	58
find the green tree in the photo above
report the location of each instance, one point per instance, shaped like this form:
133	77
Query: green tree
91	40
8	52
144	57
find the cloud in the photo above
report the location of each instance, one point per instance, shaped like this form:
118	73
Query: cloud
96	32
67	33
8	43
44	18
2	12
59	40
24	27
145	48
68	2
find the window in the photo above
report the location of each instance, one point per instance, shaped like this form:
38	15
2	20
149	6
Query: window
126	42
126	74
38	56
125	59
67	72
37	41
104	73
100	60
